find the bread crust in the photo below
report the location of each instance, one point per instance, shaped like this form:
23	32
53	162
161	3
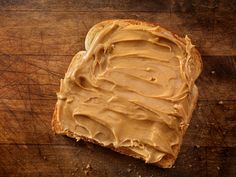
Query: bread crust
168	160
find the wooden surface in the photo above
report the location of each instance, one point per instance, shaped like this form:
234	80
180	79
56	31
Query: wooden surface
37	41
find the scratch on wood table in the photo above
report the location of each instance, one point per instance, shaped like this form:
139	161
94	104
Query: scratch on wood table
37	42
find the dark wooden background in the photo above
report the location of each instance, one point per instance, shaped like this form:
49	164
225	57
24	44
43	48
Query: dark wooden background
37	41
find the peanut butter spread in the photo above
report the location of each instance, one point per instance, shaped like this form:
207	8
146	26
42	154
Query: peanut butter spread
133	88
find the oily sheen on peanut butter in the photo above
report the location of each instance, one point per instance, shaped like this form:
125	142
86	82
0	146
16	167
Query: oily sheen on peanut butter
133	88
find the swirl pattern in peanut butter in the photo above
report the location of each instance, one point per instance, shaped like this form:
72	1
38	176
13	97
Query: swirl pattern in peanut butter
133	88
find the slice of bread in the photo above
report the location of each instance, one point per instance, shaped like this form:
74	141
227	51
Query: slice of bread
133	90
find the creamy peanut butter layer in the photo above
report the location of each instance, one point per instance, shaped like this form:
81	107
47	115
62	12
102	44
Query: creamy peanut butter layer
133	88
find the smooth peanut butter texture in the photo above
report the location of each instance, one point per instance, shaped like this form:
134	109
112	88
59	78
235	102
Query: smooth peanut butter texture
132	88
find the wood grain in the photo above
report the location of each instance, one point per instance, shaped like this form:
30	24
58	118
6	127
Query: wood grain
63	33
28	87
37	77
212	124
57	160
120	5
38	38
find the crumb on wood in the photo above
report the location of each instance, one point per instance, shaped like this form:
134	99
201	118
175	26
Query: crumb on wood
197	146
88	166
129	170
220	102
213	72
218	168
86	172
87	169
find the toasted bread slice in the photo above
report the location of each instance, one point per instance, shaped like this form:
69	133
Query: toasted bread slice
133	90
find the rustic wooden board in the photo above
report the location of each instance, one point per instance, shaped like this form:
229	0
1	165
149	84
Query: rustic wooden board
62	32
120	5
58	160
38	40
40	75
29	122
